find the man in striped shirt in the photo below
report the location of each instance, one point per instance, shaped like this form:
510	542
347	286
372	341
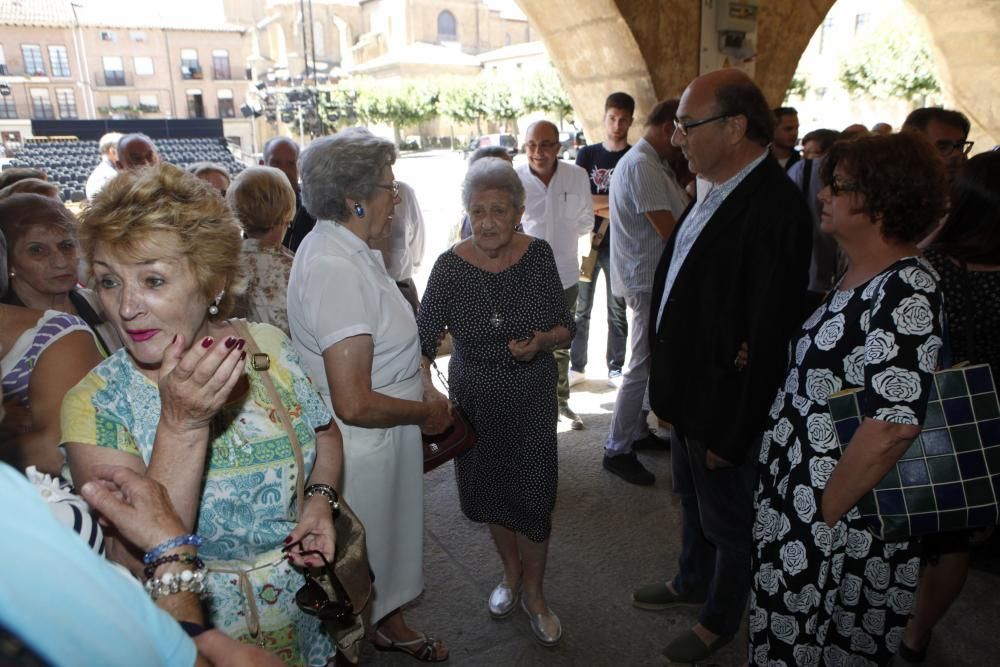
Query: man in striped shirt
645	202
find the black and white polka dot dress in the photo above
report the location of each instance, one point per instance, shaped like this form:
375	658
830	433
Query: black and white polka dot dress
510	477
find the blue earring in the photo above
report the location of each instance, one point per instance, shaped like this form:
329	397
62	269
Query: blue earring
359	210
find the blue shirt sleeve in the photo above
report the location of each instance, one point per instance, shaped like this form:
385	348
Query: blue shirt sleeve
68	604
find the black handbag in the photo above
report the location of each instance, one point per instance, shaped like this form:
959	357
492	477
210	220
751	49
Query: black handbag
459	438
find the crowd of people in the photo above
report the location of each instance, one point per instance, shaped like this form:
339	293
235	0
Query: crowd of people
242	362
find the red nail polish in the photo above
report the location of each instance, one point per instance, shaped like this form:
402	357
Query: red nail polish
231	342
243	355
288	539
207	342
240	344
174	339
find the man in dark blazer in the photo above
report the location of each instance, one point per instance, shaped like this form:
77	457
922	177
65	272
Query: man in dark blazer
727	295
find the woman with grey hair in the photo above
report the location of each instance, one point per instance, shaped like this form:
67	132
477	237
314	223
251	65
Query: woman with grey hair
499	295
353	327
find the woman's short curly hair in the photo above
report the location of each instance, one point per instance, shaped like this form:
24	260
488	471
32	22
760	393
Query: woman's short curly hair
346	165
145	212
900	178
492	173
262	199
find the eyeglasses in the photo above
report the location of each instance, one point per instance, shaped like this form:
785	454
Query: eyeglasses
313	600
393	187
946	147
685	126
544	146
839	187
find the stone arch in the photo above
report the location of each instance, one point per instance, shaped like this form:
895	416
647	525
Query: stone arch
650	48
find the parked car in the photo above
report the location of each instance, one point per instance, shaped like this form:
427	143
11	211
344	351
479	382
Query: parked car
570	143
508	141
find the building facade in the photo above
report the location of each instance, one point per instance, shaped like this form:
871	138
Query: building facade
108	59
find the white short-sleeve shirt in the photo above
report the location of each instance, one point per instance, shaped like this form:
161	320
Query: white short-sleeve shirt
339	288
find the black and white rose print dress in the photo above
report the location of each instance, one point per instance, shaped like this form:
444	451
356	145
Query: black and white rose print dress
839	596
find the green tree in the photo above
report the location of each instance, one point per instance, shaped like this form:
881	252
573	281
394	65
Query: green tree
544	92
399	107
797	87
335	108
891	60
464	101
499	100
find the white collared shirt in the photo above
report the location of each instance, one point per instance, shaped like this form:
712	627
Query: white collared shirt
702	211
559	214
403	250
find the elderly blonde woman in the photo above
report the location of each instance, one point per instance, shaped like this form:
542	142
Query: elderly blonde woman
498	292
264	203
354	328
180	404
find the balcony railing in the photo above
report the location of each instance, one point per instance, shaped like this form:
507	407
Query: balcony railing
113	78
191	71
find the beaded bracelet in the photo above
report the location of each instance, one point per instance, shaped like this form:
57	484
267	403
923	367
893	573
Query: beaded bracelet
188	540
186	559
185	581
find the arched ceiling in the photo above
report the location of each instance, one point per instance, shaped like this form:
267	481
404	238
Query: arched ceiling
651	49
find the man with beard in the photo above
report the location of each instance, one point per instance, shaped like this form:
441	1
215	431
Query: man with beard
646	201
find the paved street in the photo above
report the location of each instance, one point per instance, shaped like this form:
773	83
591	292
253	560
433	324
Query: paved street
608	537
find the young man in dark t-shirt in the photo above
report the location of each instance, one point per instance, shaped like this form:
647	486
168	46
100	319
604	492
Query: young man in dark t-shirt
599	161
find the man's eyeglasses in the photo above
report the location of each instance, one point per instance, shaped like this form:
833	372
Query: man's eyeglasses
393	187
839	187
313	600
946	147
544	146
685	126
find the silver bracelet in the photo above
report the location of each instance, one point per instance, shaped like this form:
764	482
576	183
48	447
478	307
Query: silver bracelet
329	493
185	581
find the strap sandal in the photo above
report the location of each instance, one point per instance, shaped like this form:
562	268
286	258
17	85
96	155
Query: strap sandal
423	648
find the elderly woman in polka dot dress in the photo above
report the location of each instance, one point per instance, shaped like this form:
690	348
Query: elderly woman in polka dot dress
499	294
825	590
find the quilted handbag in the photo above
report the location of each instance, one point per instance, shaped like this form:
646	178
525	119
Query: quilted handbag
949	478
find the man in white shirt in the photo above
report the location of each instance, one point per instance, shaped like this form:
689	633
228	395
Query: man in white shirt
557	209
645	202
403	249
106	170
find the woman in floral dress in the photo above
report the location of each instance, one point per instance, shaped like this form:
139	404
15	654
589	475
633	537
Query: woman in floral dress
182	404
825	590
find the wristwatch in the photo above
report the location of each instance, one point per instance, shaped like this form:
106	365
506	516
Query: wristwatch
329	492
